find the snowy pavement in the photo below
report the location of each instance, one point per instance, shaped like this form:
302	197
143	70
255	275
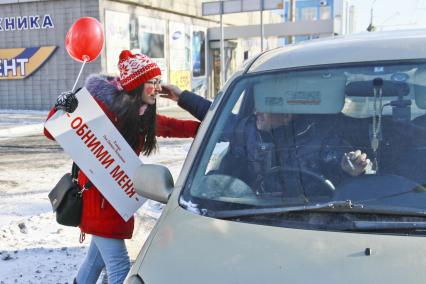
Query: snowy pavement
33	247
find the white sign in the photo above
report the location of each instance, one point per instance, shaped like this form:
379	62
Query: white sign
232	6
180	46
117	37
97	147
239	6
251	5
211	8
273	4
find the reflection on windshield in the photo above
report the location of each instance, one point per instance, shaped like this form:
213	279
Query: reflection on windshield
315	136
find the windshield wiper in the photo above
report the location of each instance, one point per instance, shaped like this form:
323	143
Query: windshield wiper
388	226
332	206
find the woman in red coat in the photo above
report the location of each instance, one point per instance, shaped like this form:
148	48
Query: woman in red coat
130	103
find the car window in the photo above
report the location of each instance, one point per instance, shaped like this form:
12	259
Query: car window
305	137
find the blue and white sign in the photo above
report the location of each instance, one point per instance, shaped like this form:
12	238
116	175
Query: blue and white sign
34	22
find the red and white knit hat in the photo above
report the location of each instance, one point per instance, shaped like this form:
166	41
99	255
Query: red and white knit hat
136	69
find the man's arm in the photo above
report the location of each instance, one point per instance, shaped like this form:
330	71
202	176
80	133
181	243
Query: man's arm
194	104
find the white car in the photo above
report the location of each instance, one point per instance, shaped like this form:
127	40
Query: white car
309	167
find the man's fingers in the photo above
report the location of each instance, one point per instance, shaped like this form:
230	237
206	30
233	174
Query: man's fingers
356	154
363	162
367	162
358	160
165	89
361	158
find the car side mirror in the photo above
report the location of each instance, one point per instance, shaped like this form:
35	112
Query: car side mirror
154	182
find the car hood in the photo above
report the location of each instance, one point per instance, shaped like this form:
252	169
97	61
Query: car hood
188	248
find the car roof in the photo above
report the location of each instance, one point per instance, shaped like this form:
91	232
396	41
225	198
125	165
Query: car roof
363	47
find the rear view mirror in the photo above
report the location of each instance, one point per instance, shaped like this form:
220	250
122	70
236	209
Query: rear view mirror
154	182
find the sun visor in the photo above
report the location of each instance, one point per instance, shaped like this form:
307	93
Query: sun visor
317	92
420	88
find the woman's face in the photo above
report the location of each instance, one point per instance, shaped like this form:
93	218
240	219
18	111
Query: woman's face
151	89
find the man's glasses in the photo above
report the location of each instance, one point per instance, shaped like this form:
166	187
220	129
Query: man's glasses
154	82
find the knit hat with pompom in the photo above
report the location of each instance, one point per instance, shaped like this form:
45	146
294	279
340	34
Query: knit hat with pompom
136	69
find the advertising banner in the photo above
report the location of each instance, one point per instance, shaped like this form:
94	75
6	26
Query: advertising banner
180	46
151	41
151	36
182	79
117	37
97	147
198	52
199	78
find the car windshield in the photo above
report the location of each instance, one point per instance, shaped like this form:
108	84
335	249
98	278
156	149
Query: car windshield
320	135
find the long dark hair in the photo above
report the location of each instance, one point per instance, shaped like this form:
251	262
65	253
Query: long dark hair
126	106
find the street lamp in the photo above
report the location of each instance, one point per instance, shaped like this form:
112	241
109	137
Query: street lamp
370	27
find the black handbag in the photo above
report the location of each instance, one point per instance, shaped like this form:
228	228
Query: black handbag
66	199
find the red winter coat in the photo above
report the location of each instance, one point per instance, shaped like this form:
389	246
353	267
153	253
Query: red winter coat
98	216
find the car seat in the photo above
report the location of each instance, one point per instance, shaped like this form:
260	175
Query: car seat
412	164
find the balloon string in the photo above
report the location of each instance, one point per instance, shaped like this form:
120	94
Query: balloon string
79	74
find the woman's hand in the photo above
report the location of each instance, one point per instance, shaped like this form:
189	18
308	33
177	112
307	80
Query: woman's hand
355	163
67	101
171	92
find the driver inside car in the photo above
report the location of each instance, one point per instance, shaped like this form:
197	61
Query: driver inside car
276	153
353	163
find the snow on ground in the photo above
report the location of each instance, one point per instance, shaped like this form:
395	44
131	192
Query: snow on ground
33	247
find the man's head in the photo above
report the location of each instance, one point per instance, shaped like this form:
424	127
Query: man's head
268	121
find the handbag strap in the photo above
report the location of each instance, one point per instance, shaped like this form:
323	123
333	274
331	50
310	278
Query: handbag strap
74	174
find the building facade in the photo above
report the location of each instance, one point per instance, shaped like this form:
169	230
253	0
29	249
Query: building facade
35	66
341	11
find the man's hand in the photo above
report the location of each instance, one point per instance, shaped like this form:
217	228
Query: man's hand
67	101
171	92
355	163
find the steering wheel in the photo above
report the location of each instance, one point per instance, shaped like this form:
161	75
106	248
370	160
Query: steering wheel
322	182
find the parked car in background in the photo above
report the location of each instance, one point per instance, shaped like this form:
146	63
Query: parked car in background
273	204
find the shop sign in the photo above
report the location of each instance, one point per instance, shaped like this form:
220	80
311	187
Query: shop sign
19	63
20	23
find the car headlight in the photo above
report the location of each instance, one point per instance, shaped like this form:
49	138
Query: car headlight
135	279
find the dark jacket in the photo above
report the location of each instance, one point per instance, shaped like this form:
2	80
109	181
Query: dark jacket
98	216
290	160
296	156
194	104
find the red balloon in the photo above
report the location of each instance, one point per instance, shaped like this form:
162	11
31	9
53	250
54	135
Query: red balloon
85	39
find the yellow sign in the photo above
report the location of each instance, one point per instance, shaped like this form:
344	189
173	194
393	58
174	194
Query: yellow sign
182	79
19	63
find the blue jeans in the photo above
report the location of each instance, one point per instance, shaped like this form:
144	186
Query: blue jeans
111	253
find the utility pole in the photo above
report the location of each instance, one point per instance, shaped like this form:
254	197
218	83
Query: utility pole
222	49
292	17
262	31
